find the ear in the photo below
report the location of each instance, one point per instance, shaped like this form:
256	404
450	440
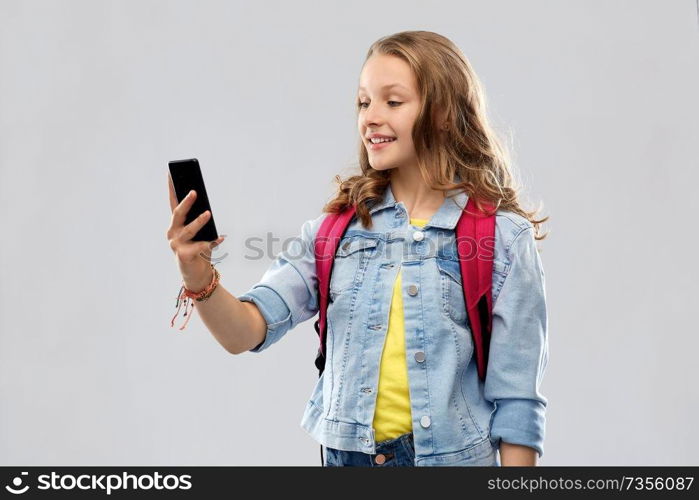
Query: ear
441	119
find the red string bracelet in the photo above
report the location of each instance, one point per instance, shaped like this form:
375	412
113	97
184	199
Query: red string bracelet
185	296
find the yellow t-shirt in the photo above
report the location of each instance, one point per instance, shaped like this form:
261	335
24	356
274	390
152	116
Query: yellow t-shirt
393	417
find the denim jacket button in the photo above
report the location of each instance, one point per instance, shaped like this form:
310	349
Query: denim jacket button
419	356
425	421
346	245
412	290
418	236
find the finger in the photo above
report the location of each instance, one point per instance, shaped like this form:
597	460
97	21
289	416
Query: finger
193	227
207	248
171	189
179	215
218	241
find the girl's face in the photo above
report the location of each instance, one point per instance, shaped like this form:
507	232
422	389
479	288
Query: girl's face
388	104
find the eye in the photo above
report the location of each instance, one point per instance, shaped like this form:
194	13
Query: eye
360	104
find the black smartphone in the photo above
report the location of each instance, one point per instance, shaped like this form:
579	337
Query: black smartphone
186	175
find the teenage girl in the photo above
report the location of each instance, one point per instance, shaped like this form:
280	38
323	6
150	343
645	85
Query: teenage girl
400	386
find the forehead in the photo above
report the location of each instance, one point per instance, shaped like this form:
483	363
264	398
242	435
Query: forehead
385	72
389	86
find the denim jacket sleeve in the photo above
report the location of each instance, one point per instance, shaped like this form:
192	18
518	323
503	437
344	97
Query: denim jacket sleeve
518	352
286	295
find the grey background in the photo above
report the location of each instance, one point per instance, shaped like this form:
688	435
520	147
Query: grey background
598	100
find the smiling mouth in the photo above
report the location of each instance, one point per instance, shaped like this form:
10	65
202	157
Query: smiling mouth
377	145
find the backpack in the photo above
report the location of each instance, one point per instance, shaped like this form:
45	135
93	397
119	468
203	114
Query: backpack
476	274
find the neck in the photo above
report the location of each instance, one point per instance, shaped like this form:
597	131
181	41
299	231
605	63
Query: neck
419	199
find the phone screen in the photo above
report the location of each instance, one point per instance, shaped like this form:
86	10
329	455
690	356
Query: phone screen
186	175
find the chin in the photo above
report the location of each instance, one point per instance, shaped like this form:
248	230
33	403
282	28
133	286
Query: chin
381	167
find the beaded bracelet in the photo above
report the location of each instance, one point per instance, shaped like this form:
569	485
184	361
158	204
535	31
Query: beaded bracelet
185	296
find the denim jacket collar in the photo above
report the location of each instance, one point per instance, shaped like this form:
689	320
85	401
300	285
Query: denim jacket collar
446	217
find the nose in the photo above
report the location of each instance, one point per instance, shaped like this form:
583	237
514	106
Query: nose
372	117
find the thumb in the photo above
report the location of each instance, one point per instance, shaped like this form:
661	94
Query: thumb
206	247
218	241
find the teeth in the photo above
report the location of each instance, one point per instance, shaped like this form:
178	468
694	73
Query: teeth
379	140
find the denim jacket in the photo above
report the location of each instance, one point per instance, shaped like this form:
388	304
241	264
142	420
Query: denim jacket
454	413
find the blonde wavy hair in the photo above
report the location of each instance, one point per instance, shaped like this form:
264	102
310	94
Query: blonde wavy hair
463	147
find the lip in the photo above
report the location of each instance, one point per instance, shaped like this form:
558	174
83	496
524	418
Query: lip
379	146
379	136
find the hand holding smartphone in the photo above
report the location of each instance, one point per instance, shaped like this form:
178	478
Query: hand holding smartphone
186	176
192	233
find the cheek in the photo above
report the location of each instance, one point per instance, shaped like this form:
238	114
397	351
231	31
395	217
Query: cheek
405	143
405	136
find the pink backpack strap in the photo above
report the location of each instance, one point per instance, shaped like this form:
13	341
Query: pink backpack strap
475	236
326	242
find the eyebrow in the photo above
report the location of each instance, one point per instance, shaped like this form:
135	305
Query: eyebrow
388	86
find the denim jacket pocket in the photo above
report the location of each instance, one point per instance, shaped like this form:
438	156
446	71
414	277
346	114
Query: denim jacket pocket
452	289
453	301
351	259
500	270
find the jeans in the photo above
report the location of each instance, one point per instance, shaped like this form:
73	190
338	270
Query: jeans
400	452
397	452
